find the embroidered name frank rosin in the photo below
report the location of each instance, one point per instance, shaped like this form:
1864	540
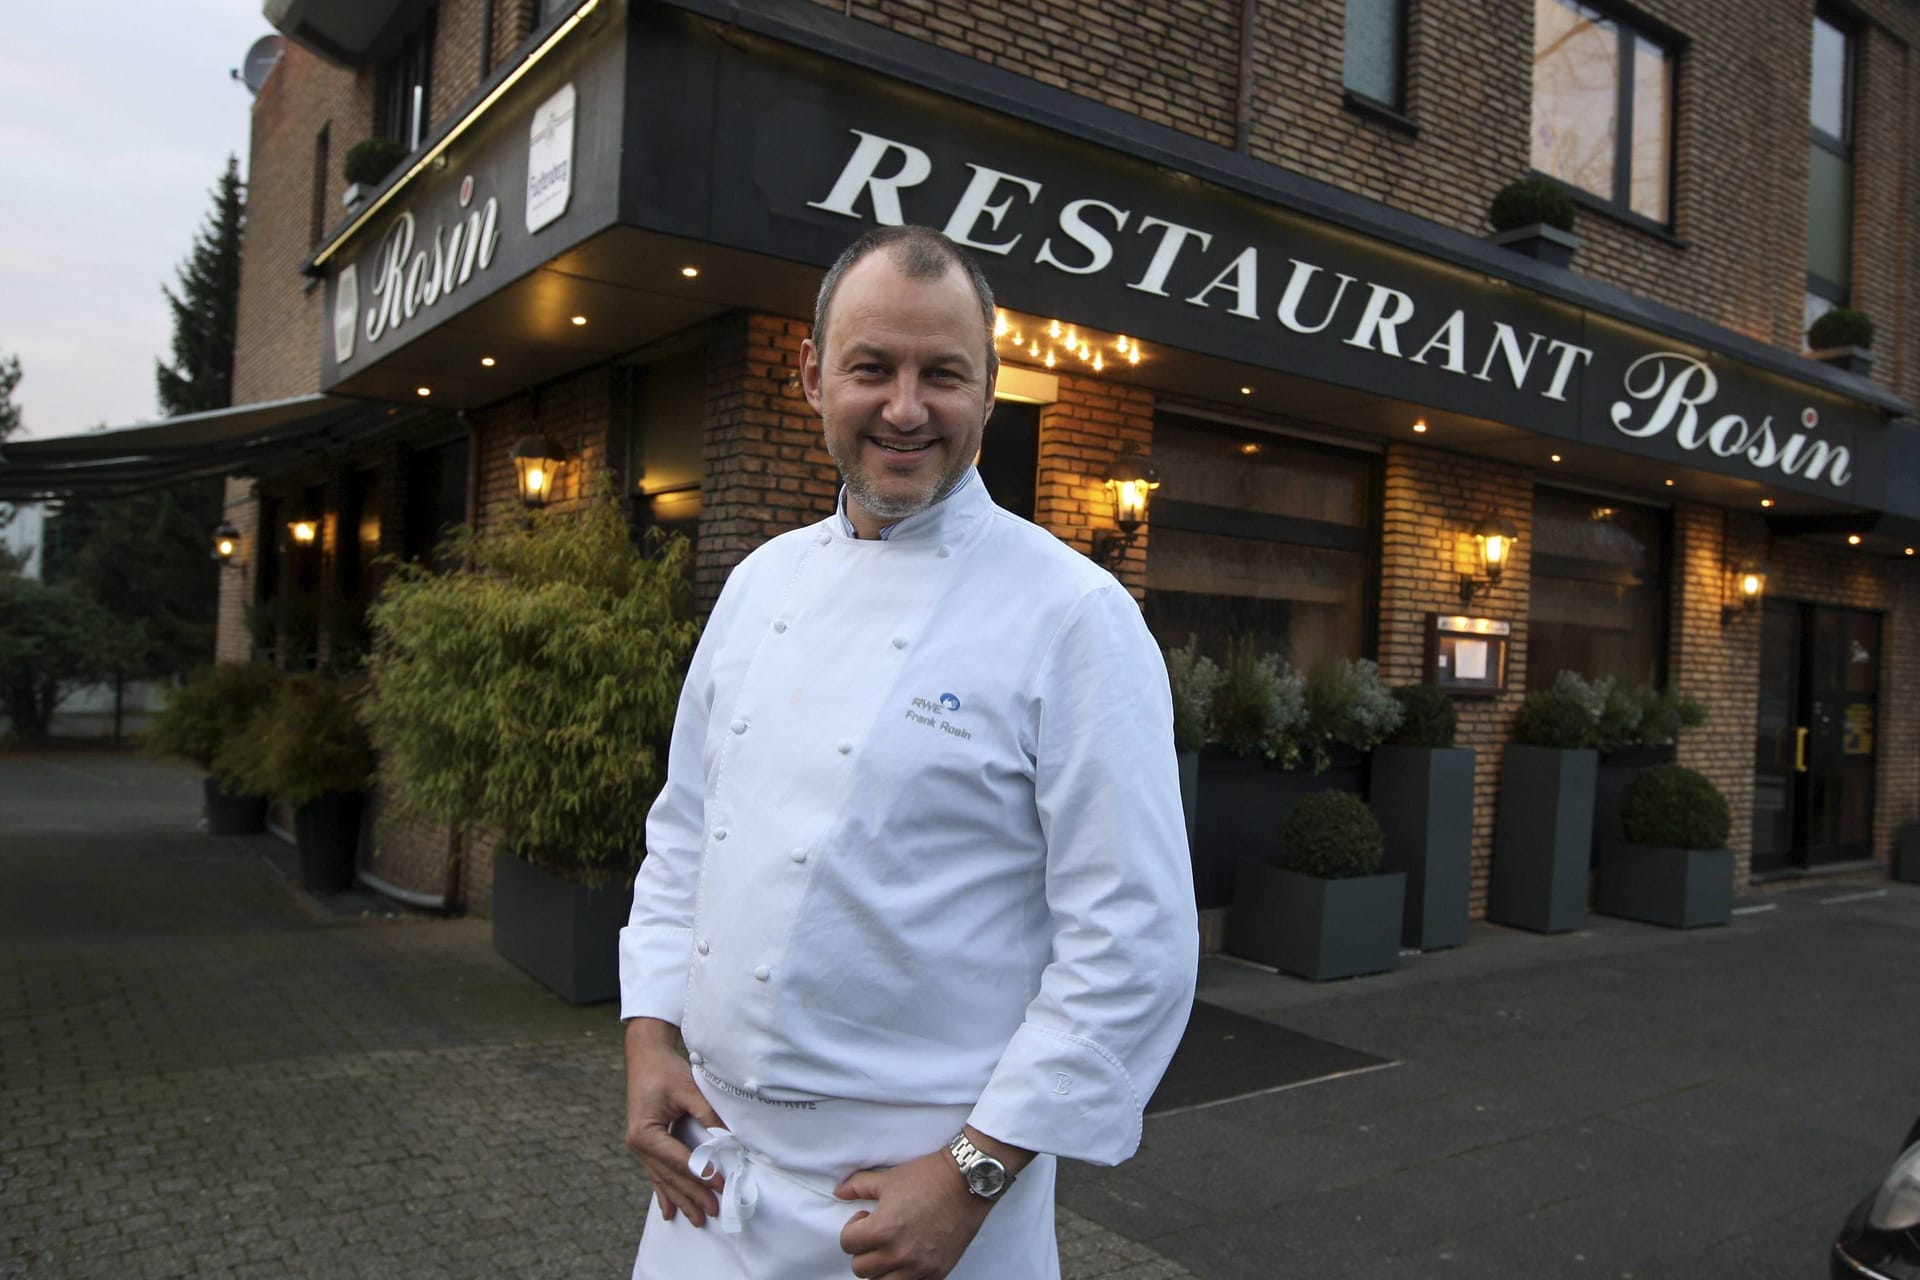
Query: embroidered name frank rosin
926	711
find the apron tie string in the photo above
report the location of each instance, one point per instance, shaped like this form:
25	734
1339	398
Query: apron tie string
741	1194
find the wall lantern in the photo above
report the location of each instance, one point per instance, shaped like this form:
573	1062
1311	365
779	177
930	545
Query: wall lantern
1493	537
1746	588
1130	480
535	460
226	542
303	531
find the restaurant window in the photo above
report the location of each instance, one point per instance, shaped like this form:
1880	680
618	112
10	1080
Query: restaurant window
1830	170
436	497
1376	52
1254	535
1010	456
405	88
1599	592
1603	107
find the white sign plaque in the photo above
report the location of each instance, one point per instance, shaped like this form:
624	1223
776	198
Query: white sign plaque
346	311
550	159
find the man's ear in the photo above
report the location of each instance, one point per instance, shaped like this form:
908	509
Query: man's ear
810	373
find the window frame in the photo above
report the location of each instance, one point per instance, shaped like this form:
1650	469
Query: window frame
1395	111
1631	23
1659	581
1837	293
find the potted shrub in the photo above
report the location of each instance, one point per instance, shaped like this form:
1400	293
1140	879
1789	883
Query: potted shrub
1638	727
307	749
209	708
1421	788
1253	718
1906	854
367	165
1534	216
1321	908
1346	707
1673	867
1843	338
1543	826
528	692
1191	678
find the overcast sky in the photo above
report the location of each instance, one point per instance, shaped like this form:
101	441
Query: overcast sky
116	121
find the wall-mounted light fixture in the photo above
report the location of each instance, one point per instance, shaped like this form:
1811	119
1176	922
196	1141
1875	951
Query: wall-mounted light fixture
303	532
1493	539
535	460
1130	480
1746	588
226	542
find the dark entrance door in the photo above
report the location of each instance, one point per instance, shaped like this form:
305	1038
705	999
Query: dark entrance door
1814	745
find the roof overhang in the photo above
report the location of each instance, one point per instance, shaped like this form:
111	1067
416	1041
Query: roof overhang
254	439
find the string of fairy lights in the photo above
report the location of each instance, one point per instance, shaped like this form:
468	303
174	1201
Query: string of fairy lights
1052	344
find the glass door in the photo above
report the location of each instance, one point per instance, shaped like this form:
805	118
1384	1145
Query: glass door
1815	736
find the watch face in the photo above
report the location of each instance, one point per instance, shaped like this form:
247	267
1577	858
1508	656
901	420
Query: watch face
987	1177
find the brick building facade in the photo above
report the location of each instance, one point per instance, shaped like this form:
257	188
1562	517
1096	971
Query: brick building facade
728	140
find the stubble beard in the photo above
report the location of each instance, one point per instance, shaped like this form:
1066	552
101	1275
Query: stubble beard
889	507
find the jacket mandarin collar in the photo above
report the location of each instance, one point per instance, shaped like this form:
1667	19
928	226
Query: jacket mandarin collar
946	522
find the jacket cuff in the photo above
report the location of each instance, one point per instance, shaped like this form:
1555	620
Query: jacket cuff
1063	1095
653	972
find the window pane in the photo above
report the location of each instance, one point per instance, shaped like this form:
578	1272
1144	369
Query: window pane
1829	216
1594	629
1651	98
1224	468
1600	531
1304	603
1828	102
1373	49
1576	95
1812	309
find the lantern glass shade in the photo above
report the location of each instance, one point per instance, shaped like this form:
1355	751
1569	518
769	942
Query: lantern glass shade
1495	536
226	542
1750	585
535	461
1131	481
303	531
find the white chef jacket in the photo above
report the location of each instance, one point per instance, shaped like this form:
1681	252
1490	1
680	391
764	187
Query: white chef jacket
921	837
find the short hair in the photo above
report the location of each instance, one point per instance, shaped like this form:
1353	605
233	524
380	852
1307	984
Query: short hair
919	253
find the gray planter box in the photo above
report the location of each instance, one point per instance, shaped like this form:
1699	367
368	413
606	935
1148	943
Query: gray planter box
1241	805
1617	770
565	936
1314	928
1423	799
1852	359
1906	854
1189	763
1540	242
1542	838
1679	888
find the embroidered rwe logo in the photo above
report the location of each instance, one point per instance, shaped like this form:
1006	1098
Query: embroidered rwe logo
929	713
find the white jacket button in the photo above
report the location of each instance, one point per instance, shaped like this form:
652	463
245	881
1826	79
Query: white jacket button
738	726
701	946
694	1056
899	642
846	746
779	625
750	1085
944	551
719	833
761	973
799	855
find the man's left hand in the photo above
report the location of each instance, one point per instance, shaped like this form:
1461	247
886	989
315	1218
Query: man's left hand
923	1219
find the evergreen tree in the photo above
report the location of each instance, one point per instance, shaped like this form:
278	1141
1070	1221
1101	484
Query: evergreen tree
9	411
204	311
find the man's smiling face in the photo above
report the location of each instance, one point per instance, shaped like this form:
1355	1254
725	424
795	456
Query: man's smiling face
902	386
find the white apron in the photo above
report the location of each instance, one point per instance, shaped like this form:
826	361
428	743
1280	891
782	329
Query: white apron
783	1161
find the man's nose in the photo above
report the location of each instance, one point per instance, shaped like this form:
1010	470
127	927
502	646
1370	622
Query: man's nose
906	408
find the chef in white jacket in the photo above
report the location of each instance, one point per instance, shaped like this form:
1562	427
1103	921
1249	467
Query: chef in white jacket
916	905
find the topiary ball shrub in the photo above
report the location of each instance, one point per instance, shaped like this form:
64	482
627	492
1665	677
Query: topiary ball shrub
1332	835
1428	717
370	161
1841	327
1674	807
1526	201
1555	718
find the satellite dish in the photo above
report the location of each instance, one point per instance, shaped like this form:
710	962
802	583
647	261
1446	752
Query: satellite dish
260	59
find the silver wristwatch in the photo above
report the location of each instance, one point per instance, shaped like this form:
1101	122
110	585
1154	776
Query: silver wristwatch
986	1177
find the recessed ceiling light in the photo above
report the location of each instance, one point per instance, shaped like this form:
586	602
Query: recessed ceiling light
579	319
1420	426
689	272
1246	391
1556	457
486	362
1669	484
425	391
1766	502
1909	550
1853	539
1249	448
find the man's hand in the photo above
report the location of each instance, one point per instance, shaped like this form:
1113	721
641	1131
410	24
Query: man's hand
660	1090
923	1219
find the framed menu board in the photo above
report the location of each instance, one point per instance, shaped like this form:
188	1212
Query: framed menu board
1467	655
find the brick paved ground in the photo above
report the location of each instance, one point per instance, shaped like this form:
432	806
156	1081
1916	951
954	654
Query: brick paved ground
201	1074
